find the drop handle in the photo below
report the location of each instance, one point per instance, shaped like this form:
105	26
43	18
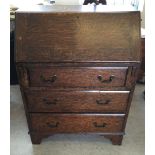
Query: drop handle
46	101
103	125
101	79
50	79
52	125
102	102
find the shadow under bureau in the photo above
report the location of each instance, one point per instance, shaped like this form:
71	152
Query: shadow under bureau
77	69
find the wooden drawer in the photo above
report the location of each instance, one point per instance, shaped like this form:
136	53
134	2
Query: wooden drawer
77	123
62	77
74	36
77	101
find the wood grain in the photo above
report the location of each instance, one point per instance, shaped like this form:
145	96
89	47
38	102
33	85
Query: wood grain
77	67
77	101
76	123
77	37
77	77
141	73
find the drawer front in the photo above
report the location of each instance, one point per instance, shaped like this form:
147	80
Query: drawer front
62	77
77	101
77	37
77	123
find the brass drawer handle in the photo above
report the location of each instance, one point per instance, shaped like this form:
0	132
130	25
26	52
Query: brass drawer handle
99	126
53	125
101	79
102	102
46	101
49	80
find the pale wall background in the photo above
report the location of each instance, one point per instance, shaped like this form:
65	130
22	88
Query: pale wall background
76	2
143	17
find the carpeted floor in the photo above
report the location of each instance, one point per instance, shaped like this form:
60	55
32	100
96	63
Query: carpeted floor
133	142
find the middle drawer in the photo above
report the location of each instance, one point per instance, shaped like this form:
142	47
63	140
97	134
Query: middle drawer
77	101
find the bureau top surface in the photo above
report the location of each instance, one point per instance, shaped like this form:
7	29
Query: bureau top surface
75	8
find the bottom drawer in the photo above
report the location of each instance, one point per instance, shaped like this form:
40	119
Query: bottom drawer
77	123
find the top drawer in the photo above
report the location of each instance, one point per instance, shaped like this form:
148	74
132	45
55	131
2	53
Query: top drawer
73	77
73	36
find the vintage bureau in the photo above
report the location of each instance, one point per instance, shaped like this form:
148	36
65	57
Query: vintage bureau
77	68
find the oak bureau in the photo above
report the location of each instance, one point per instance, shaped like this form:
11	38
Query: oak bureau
77	67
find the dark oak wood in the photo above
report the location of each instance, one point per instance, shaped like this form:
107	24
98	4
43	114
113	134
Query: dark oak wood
77	123
127	70
36	138
65	36
77	101
77	77
77	67
141	73
115	139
